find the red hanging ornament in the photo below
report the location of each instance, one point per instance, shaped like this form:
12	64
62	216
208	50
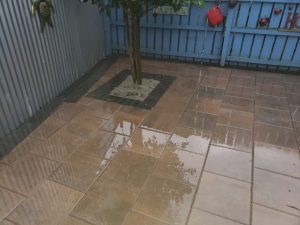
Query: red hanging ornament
263	21
232	3
277	11
215	16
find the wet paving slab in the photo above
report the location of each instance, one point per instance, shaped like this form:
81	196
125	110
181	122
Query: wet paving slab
220	146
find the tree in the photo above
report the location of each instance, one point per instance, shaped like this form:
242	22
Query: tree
133	10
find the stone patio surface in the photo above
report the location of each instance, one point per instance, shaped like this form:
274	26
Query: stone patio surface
221	147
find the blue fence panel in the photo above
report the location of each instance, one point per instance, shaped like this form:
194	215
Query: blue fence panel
267	46
244	43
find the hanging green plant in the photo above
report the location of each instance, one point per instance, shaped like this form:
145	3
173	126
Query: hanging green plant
44	9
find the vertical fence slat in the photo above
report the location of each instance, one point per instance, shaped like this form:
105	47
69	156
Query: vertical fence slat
296	56
167	35
291	44
151	32
227	36
159	33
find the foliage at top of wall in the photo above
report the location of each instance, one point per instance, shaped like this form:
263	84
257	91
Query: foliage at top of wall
138	8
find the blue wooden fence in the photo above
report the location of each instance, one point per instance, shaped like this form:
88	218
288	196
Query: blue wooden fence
238	42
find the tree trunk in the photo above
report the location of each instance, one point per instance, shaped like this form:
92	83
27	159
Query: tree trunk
130	46
133	44
134	47
138	52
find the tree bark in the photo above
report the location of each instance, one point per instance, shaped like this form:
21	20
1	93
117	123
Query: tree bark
138	52
133	49
129	45
135	35
132	30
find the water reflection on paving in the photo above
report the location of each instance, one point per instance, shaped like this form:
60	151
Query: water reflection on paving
189	160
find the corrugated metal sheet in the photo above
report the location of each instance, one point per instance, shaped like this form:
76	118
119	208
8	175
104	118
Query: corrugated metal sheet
36	67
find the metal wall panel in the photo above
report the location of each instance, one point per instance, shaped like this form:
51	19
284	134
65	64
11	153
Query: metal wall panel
36	67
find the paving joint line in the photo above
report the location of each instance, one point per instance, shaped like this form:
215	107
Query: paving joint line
204	164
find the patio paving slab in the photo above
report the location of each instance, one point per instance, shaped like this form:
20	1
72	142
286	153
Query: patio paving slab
73	221
48	127
22	150
240	104
294	99
275	135
241	92
59	146
201	217
232	137
277	191
26	175
134	218
210	92
273	117
79	171
278	159
161	121
229	163
147	142
205	105
180	165
297	132
215	82
8	202
295	113
122	123
190	139
68	111
84	125
243	81
198	120
270	78
293	87
48	205
103	145
101	109
166	200
225	197
272	102
6	222
106	203
263	215
130	168
234	118
271	90
188	160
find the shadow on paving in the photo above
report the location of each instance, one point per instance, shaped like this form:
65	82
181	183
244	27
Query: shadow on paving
72	94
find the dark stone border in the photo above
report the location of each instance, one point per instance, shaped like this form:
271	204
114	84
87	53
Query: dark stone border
103	92
72	94
83	84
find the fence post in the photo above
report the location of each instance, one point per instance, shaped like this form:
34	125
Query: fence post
228	26
107	35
